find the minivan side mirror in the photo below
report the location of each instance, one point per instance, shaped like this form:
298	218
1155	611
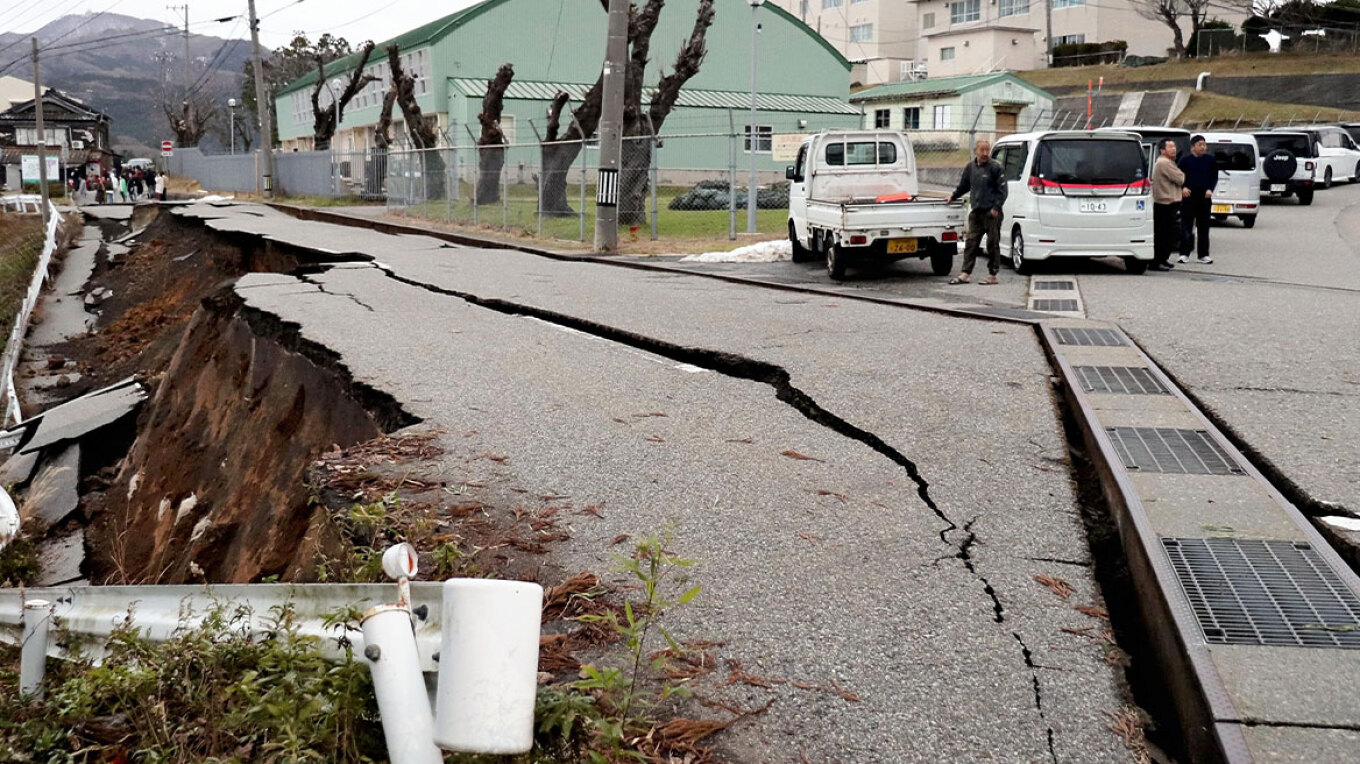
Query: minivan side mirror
790	173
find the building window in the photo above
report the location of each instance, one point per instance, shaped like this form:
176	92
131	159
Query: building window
28	136
1067	3
942	117
911	118
967	10
764	138
947	54
508	127
1069	39
832	4
882	118
862	33
853	2
927	20
1013	7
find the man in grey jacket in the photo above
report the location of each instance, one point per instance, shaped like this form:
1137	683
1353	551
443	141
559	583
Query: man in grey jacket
985	181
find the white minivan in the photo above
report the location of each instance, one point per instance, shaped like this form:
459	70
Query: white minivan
1239	182
1076	194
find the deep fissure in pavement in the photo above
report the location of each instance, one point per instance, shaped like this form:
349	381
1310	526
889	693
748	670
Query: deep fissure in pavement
741	367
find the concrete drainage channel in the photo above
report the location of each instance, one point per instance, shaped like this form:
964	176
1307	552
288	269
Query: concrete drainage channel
1250	615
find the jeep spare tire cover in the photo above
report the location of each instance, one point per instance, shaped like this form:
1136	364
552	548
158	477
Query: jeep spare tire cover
1281	164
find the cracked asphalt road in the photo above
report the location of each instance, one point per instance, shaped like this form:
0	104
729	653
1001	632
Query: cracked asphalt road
915	592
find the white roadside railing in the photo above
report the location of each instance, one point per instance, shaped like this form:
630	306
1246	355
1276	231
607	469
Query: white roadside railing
14	346
487	632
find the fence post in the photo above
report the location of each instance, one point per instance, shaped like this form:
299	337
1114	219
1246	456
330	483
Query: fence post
476	171
33	649
731	177
505	194
656	176
584	170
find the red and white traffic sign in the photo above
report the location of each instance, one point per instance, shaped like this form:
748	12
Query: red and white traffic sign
167	148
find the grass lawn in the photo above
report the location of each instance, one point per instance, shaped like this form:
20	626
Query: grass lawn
21	241
1225	110
1248	65
518	216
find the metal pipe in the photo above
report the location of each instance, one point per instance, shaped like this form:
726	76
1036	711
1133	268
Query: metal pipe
656	177
1199	81
732	177
33	653
390	651
753	138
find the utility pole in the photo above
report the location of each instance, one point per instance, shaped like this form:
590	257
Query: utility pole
611	130
262	106
753	137
1048	34
187	107
42	138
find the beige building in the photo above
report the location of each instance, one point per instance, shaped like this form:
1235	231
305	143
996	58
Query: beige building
878	37
14	91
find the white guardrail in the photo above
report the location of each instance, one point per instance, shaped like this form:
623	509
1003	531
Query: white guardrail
14	346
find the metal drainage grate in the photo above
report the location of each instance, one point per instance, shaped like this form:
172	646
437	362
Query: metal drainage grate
1069	306
1065	286
1278	593
1100	337
1127	380
1168	450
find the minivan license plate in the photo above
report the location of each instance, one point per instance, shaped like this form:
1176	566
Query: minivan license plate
1094	206
901	246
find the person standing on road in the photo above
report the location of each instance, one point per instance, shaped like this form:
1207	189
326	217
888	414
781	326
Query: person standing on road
160	187
984	179
1201	177
1168	189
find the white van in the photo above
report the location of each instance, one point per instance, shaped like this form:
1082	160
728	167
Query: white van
1239	183
1076	194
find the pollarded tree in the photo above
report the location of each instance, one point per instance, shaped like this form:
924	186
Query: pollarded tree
491	143
419	129
560	146
328	118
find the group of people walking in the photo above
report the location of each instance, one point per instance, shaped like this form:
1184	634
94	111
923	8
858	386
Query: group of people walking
112	187
1182	200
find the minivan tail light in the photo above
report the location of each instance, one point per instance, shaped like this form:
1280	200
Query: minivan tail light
1138	188
1038	185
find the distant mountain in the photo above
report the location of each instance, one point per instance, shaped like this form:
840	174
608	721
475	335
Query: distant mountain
122	65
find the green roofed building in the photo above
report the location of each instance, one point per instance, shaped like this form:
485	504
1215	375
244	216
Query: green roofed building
955	108
559	45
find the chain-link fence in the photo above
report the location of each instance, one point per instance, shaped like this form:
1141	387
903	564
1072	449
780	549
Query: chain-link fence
688	186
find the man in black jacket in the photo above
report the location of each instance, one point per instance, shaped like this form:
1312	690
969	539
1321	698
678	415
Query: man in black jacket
985	181
1201	178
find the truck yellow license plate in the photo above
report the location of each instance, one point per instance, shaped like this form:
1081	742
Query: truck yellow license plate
901	246
1222	209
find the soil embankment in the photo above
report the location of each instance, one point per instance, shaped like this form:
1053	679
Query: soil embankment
211	487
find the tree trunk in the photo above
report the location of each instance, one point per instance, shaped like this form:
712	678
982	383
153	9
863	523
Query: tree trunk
491	144
560	153
325	121
423	135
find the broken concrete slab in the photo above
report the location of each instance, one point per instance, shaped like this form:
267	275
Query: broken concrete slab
55	492
18	468
60	558
79	417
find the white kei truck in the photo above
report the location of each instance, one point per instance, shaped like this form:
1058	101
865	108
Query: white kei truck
853	199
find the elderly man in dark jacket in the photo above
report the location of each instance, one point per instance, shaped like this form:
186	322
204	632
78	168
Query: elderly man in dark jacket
985	181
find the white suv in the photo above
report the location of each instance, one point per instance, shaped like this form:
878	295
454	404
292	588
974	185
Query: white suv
1338	157
1076	194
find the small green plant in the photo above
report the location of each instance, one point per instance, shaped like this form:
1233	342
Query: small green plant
615	689
447	559
19	563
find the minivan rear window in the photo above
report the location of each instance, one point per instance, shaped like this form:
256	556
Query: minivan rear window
1090	161
1234	157
860	153
1298	145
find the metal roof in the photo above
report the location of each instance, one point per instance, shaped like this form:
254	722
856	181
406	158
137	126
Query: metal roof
941	86
714	99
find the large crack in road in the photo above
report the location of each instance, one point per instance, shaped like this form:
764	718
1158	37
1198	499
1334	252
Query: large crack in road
960	537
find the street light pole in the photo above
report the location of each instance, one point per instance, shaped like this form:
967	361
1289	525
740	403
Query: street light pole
753	137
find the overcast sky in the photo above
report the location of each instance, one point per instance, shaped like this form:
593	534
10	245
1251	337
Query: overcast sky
355	20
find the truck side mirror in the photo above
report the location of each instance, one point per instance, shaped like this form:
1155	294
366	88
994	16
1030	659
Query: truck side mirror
790	173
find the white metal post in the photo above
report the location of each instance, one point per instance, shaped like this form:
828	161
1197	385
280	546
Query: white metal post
390	650
33	654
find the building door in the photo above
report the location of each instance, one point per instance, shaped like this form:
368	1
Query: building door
1005	123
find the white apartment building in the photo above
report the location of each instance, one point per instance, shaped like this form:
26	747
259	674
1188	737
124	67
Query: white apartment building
878	37
974	36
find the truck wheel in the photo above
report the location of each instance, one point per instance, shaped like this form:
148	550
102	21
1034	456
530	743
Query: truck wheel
1356	177
1305	196
942	259
1248	221
835	263
801	254
1135	266
1022	266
